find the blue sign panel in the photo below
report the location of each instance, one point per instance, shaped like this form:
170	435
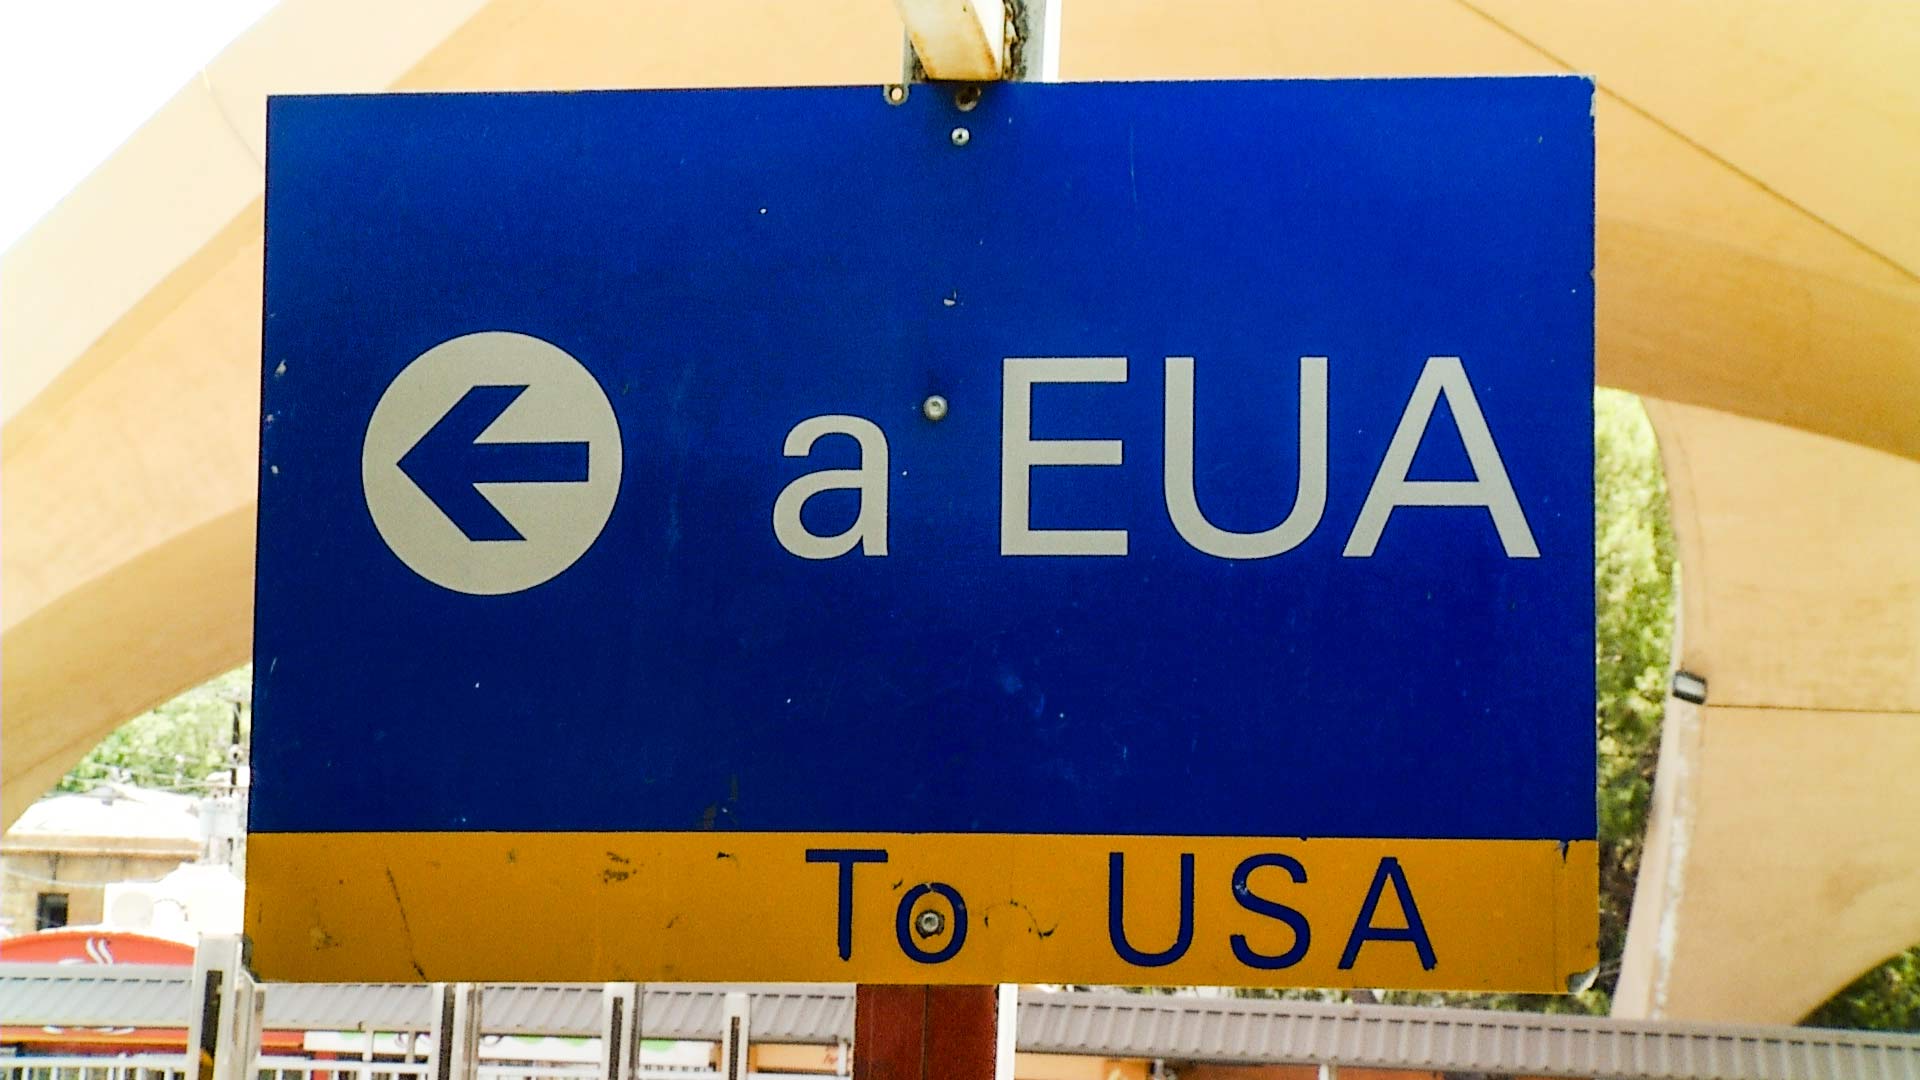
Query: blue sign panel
1197	463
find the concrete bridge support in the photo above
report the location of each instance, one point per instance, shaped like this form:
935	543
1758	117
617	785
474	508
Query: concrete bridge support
1783	856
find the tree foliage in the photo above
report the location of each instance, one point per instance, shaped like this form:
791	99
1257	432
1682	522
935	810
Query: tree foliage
1884	999
1633	579
177	745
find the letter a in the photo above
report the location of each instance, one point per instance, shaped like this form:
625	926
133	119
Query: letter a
1489	487
869	530
1414	933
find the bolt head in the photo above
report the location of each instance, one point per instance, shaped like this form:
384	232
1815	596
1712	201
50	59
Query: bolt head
896	94
934	408
929	923
961	136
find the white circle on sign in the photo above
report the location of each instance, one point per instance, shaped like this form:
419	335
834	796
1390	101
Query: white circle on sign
491	463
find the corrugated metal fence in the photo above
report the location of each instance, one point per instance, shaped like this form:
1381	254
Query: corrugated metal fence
1175	1029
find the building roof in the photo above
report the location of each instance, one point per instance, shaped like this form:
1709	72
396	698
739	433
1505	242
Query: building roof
1246	1031
138	817
1177	1028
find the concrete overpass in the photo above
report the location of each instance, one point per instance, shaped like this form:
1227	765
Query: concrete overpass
1758	281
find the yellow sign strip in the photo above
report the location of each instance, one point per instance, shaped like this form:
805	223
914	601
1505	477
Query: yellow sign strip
921	908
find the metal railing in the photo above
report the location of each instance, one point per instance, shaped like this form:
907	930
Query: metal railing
1104	1024
155	1066
298	1067
289	1067
95	1067
294	1067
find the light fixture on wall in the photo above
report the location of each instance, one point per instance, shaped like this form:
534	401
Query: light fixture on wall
1690	687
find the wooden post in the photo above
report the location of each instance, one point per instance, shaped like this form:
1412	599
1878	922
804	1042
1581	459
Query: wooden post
925	1032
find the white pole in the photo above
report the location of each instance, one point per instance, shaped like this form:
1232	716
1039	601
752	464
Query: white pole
1043	19
239	1050
736	1036
1006	1023
456	1031
620	1031
223	1030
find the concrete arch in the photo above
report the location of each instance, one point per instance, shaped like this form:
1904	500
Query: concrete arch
131	385
1782	857
1757	262
1813	1017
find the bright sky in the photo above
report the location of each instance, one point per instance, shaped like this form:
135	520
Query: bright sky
79	76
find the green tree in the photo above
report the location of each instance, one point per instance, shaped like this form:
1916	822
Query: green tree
177	745
1886	998
1633	577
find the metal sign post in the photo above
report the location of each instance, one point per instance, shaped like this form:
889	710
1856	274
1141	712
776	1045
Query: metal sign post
223	1032
736	1036
455	1034
928	1033
620	1005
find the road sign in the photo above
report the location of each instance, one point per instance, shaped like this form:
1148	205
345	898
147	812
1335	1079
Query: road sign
1116	533
479	423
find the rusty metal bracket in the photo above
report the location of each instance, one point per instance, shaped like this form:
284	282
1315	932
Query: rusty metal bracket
955	41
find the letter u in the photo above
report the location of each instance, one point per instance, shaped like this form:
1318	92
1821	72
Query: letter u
1310	497
1117	914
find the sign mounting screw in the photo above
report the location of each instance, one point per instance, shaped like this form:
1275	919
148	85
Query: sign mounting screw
961	136
934	408
929	923
896	94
